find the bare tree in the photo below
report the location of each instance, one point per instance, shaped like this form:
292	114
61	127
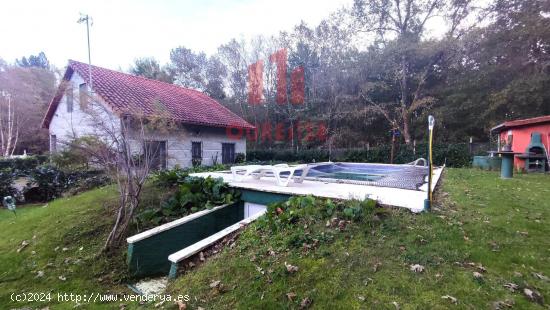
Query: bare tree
121	146
9	126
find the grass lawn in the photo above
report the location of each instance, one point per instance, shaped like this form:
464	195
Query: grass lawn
64	238
498	228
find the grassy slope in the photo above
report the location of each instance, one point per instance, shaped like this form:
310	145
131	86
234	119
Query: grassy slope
502	224
327	275
72	223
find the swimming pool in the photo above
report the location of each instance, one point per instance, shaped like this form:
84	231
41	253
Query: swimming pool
393	185
354	171
385	175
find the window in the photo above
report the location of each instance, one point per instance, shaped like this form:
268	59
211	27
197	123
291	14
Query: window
196	154
83	89
69	98
53	143
154	153
196	150
228	153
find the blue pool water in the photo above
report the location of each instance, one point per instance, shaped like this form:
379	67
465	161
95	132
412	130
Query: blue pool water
354	171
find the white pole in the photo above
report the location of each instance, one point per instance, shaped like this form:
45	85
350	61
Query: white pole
86	18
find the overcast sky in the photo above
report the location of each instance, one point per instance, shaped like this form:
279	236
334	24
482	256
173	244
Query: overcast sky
127	29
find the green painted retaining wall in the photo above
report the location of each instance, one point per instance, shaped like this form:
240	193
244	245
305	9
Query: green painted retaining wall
149	257
264	198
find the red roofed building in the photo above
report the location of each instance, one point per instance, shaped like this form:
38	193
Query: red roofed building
522	131
206	130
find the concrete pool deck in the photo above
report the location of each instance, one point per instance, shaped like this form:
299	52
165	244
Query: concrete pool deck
404	198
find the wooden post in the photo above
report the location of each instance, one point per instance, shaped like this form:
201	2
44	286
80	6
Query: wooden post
392	145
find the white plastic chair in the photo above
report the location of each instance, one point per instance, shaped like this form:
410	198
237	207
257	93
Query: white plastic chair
259	171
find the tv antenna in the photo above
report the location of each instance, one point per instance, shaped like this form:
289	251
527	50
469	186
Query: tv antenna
85	18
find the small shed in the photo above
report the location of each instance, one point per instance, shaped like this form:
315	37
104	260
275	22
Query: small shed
531	137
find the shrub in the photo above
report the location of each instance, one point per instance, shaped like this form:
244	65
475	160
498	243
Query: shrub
70	159
50	183
6	184
22	166
453	155
81	181
302	211
168	178
240	158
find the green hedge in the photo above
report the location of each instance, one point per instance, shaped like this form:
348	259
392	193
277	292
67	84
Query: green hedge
453	155
22	166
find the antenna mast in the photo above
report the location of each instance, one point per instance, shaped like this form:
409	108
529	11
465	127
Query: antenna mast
89	21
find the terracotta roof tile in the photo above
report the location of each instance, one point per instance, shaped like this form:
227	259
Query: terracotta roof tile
522	122
129	94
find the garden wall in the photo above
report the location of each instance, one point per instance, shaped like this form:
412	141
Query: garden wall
148	251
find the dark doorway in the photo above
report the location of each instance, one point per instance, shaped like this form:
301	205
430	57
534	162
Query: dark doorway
155	152
228	153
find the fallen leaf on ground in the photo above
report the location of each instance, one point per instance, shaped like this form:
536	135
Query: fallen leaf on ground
481	268
290	268
181	305
24	244
291	296
540	276
499	305
450	298
215	284
160	303
306	302
533	295
512	287
417	268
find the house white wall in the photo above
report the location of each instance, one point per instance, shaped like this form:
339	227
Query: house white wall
179	144
67	125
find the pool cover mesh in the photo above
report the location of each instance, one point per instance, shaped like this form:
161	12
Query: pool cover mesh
411	178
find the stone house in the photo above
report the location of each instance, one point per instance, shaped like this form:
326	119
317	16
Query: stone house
204	131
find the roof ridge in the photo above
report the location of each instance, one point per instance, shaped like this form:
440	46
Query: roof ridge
128	93
137	76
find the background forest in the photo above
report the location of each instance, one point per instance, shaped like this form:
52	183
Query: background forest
374	67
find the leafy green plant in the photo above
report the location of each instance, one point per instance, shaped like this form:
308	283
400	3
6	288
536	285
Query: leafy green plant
240	158
168	178
308	209
196	162
357	210
192	194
